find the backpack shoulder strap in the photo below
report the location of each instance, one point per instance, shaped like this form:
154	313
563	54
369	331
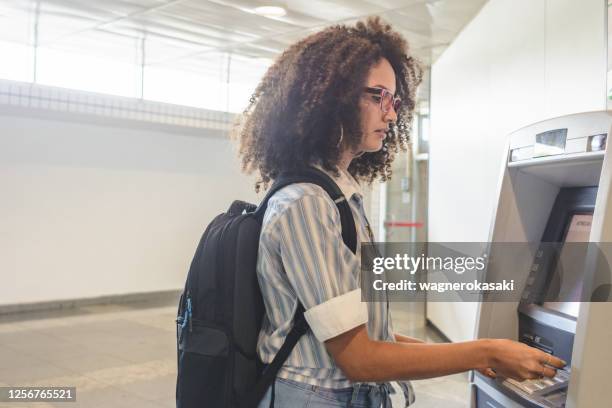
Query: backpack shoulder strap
300	326
316	176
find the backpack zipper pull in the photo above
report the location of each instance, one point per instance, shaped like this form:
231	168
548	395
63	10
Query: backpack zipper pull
187	316
189	313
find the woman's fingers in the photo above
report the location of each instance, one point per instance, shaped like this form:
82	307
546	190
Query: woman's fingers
522	362
549	364
548	372
487	372
553	361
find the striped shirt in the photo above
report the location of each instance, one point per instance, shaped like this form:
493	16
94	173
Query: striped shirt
302	256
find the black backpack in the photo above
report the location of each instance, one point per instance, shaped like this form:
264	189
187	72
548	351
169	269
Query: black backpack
221	309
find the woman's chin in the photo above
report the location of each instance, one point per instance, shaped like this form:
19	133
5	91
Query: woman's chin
374	147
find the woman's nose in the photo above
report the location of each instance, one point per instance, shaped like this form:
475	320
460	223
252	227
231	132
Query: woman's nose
390	116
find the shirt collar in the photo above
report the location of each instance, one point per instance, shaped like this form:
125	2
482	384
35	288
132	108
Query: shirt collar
346	182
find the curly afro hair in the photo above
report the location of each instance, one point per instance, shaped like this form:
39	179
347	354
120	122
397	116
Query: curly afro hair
311	93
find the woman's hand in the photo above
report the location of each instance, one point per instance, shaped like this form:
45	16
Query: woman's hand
487	372
520	362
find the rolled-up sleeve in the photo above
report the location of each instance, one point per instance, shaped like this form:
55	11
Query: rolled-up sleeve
321	269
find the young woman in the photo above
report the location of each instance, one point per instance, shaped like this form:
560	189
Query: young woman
342	100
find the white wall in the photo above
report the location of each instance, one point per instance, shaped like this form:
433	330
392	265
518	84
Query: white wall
515	63
88	209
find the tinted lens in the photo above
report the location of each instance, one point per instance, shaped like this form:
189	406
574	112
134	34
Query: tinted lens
389	101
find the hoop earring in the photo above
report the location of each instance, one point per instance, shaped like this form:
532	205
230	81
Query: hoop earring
341	136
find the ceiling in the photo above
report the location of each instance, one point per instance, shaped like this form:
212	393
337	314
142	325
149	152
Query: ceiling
200	34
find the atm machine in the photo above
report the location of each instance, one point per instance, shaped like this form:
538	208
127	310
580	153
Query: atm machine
554	188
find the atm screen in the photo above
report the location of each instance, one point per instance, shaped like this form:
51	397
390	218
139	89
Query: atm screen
571	261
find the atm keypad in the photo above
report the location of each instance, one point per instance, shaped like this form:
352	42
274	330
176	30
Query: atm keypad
542	385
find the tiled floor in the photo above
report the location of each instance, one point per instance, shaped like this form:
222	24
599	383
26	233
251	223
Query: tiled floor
444	392
125	355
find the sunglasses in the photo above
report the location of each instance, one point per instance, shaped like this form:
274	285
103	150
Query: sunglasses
386	99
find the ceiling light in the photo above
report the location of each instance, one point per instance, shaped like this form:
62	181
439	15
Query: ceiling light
270	11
